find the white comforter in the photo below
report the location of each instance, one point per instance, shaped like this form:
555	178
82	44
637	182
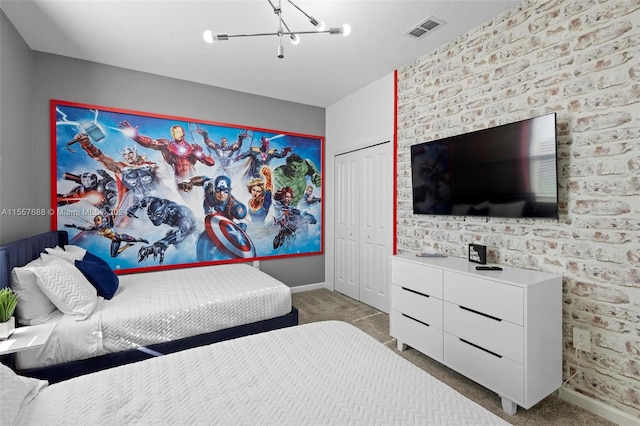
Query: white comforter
162	306
319	373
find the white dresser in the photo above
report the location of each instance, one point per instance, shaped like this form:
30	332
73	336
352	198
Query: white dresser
502	329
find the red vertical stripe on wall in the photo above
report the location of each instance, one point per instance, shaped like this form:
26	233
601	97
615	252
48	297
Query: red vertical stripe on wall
395	162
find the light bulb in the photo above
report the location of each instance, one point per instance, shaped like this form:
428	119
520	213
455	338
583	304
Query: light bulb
208	36
295	39
346	30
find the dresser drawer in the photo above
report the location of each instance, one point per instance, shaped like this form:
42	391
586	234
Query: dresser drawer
501	375
422	278
417	305
421	337
501	337
497	299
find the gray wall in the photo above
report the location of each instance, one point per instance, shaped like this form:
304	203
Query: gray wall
25	137
16	177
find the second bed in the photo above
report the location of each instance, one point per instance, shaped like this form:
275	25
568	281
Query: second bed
151	314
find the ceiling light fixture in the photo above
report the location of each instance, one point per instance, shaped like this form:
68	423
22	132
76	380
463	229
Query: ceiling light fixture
345	30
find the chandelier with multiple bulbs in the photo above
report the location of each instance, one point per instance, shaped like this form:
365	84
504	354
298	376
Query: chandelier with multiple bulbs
345	30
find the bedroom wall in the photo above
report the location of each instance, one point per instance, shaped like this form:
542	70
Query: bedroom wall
56	77
580	60
15	145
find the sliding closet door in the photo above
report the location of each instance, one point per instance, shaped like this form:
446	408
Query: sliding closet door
364	214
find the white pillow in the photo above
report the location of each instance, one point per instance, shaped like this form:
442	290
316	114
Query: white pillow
75	249
65	286
16	393
34	307
69	256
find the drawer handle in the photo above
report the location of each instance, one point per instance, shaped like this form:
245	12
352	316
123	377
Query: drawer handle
416	292
416	320
480	347
481	313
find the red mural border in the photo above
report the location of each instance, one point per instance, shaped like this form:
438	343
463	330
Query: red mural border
54	177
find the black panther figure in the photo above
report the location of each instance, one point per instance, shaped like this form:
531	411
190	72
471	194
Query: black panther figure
162	211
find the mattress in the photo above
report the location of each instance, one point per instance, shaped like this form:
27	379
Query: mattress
319	373
162	306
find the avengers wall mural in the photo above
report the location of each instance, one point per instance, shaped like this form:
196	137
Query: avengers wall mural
147	191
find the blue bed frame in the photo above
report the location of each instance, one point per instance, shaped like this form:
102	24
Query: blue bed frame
21	252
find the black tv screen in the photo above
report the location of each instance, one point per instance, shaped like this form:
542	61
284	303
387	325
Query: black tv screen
504	171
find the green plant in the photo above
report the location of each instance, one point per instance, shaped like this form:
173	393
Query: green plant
8	302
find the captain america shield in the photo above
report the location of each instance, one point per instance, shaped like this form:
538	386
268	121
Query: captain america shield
228	237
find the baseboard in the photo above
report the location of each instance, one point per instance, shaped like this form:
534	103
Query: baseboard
307	287
596	407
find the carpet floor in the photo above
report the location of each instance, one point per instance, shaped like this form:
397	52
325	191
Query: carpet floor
322	305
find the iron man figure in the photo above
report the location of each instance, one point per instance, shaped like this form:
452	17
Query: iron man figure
181	155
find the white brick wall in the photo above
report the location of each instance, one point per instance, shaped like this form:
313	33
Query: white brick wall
580	59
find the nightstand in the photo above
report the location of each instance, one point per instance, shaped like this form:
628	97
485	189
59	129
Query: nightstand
26	337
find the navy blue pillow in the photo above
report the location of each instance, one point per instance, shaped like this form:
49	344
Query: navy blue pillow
99	274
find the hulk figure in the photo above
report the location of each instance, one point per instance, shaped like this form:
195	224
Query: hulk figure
294	175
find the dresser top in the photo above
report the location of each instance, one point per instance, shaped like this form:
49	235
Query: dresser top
508	274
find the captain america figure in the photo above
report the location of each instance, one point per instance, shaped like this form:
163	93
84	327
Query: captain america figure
218	198
225	224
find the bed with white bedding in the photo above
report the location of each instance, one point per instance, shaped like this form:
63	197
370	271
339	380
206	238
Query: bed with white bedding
157	307
319	373
151	313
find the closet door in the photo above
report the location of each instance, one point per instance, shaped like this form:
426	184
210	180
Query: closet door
364	227
347	229
376	225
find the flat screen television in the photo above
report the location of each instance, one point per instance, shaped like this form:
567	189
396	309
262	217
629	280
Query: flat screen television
504	171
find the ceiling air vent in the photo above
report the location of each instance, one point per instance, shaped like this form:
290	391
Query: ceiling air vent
425	26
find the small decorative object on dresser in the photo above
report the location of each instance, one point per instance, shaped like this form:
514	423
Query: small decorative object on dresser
478	254
8	302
